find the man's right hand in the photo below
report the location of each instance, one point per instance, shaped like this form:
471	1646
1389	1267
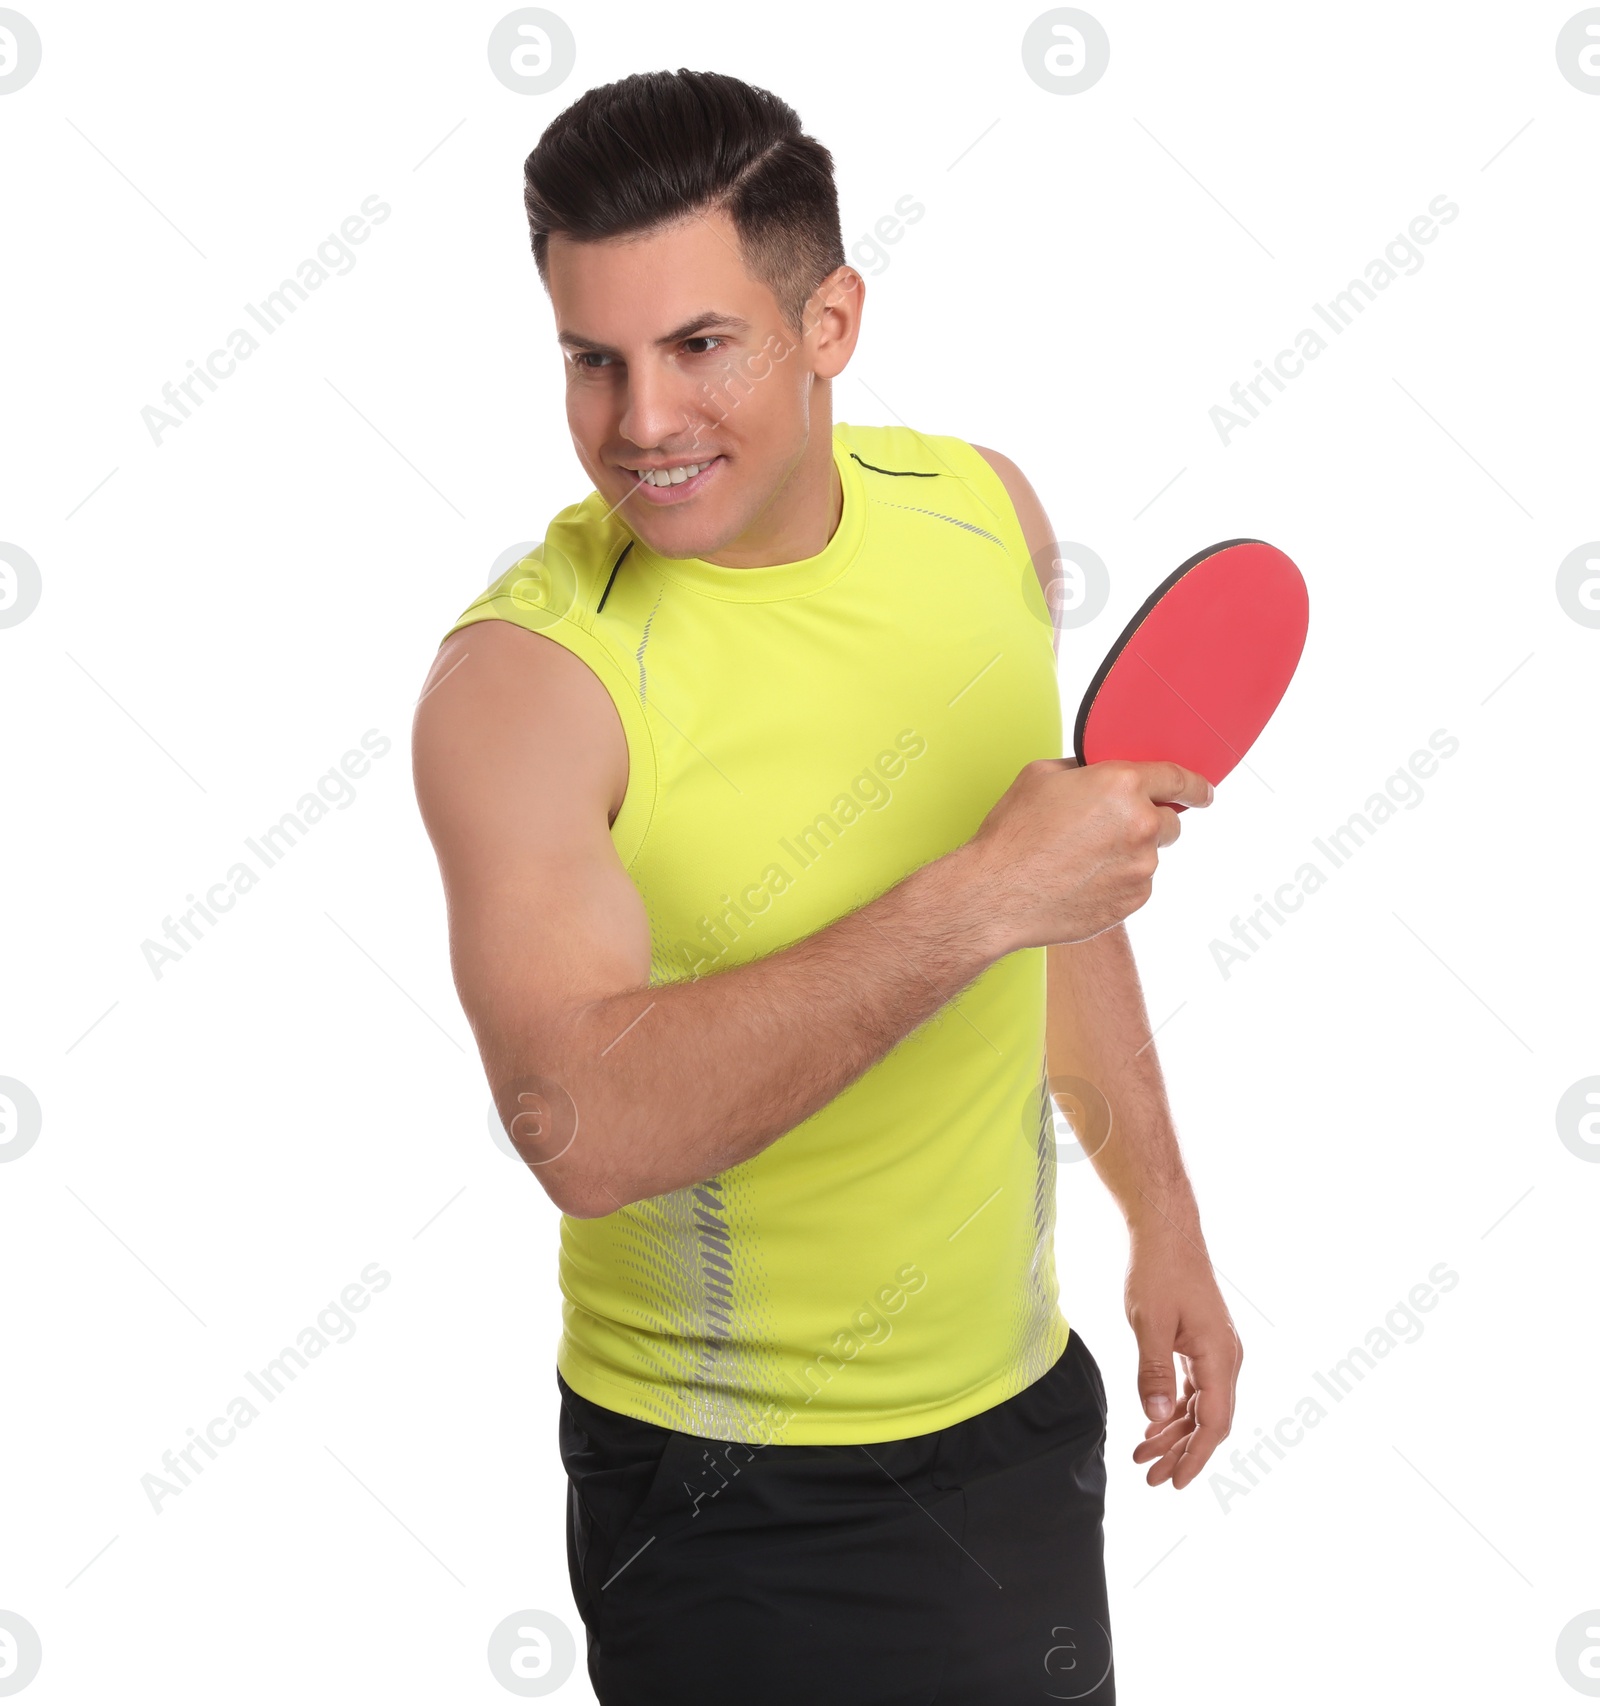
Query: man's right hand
1070	850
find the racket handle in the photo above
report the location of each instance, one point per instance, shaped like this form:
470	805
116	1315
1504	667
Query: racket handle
1172	805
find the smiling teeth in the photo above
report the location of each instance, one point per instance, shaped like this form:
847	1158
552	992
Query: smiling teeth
672	476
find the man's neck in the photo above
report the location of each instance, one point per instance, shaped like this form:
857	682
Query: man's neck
803	515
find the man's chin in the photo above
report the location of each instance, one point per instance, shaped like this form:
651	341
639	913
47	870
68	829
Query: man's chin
671	534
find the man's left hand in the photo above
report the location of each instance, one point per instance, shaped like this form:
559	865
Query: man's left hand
1175	1309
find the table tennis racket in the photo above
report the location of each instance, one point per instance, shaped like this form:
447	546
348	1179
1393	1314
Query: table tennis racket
1197	673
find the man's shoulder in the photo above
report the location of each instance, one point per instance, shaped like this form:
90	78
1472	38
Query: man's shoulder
559	579
907	453
912	455
996	492
1024	499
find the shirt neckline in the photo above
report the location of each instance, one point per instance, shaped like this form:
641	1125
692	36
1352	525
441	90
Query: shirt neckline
778	580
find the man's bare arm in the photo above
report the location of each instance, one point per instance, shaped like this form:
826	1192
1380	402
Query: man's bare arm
1097	1029
1098	1033
521	766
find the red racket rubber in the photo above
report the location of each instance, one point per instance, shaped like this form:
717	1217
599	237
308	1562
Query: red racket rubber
1198	672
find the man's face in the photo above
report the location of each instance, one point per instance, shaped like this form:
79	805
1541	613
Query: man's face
677	358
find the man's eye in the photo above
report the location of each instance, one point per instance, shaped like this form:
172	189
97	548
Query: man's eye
592	361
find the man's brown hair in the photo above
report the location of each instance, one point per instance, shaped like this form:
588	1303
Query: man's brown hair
660	146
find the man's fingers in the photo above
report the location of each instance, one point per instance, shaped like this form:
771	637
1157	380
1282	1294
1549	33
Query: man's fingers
1163	1446
1214	1371
1196	1451
1164	1470
1160	1437
1157	1386
1148	1450
1179	1447
1164	782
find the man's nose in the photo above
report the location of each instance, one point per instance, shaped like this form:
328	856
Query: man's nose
658	406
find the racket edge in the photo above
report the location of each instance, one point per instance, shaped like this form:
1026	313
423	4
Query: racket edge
1135	622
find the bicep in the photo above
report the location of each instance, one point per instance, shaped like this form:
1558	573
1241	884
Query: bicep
520	766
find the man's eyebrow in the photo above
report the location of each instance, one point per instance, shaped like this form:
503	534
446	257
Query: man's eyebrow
689	329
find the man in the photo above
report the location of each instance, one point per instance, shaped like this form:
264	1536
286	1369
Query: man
761	857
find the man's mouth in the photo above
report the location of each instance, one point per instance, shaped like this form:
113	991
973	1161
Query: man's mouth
671	479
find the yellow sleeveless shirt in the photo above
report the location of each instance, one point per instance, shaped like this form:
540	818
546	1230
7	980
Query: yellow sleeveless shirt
800	738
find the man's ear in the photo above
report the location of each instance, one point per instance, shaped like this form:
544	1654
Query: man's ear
838	304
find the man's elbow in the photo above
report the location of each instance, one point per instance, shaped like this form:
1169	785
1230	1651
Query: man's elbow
581	1205
576	1195
541	1121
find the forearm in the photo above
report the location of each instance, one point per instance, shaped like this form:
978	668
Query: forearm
1099	1031
672	1084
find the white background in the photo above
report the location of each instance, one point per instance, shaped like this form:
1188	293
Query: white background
226	1147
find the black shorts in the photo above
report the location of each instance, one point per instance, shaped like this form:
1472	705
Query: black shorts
962	1567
